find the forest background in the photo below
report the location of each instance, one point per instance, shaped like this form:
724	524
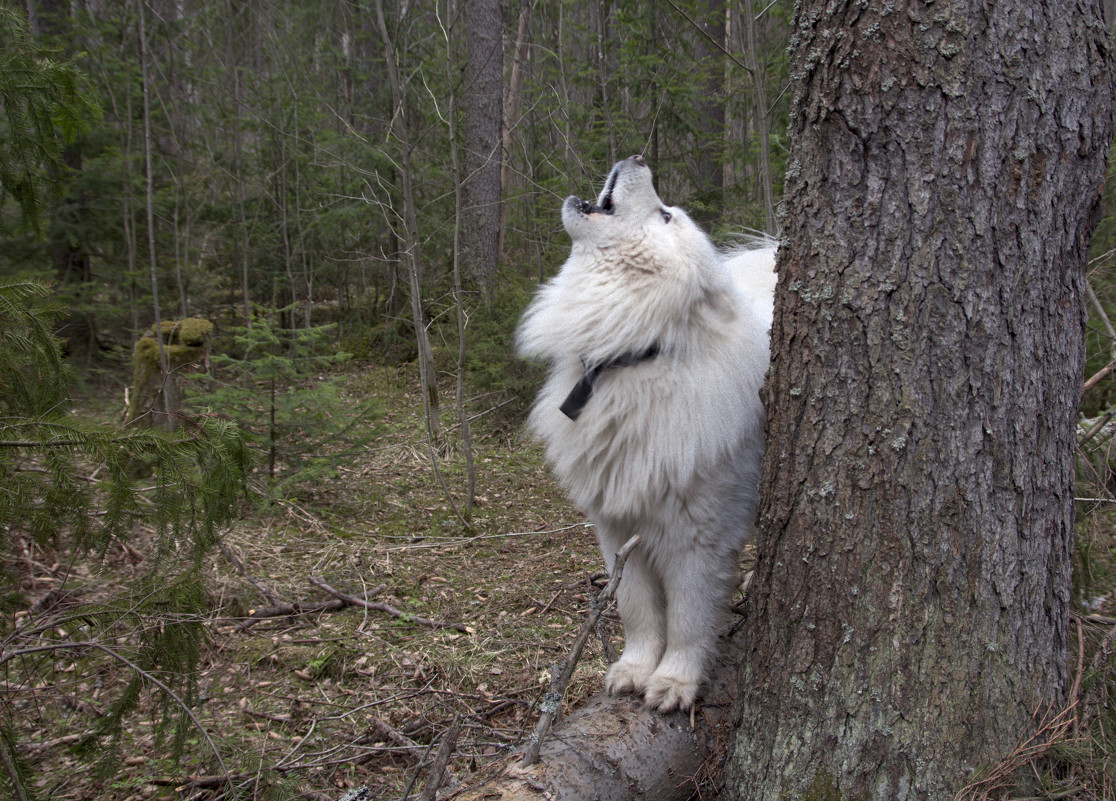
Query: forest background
333	214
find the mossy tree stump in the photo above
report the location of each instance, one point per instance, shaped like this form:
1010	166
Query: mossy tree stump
155	394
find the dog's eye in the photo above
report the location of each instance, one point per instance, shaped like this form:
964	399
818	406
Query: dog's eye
666	215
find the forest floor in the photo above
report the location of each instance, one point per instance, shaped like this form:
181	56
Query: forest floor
309	705
462	624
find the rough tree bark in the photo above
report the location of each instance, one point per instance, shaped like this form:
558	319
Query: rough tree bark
910	604
615	749
483	102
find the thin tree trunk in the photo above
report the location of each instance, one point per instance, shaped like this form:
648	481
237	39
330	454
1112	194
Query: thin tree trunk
412	256
128	221
238	178
281	199
912	586
760	115
599	17
52	22
168	393
513	99
709	55
483	94
466	512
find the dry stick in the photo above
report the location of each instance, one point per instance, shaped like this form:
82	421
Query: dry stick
1099	307
606	642
1075	692
239	565
552	702
290	610
382	728
387	609
441	760
1096	429
13	774
1100	375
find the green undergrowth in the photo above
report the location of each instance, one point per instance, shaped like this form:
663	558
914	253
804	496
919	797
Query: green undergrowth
469	621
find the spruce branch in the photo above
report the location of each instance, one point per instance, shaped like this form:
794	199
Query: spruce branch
145	675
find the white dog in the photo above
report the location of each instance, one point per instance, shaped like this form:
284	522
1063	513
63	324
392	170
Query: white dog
658	345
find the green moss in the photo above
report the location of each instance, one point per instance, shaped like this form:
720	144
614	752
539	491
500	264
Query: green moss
184	341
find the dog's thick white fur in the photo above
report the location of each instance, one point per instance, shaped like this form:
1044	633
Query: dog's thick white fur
668	443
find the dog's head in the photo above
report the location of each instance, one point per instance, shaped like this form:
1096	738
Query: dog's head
630	218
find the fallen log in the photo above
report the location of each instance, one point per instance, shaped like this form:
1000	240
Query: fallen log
615	749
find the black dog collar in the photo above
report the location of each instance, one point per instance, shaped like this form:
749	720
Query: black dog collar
583	389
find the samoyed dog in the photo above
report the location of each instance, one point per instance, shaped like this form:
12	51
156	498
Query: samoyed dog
657	344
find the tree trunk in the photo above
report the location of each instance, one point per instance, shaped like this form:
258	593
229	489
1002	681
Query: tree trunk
170	395
411	245
913	577
52	23
760	115
616	749
710	105
513	98
465	511
483	100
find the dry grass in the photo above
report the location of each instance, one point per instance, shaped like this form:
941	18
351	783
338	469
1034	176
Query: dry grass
308	705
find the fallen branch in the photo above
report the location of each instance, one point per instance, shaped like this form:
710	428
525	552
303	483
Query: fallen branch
552	701
350	600
239	565
441	760
287	610
386	732
295	609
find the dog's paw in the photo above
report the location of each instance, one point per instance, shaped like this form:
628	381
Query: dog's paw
666	693
627	677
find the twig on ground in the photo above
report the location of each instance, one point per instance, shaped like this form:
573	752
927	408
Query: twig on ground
552	701
441	760
13	775
1075	691
386	608
451	542
381	728
290	610
239	565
